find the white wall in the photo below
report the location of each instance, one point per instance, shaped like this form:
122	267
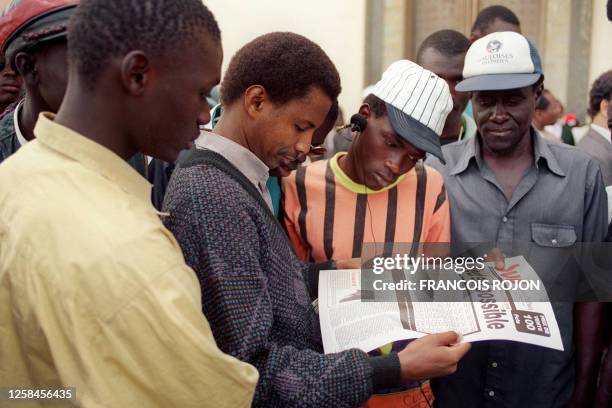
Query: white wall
601	38
338	26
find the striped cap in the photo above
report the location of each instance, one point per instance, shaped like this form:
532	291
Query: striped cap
418	102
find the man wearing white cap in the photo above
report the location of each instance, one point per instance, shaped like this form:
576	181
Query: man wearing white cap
326	203
515	190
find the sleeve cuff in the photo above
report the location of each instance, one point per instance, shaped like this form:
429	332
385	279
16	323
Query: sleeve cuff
386	372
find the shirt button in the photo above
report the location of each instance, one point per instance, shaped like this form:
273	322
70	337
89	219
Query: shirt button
494	364
554	242
491	393
505	219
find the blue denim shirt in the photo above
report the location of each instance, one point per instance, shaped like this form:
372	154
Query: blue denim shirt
559	201
8	138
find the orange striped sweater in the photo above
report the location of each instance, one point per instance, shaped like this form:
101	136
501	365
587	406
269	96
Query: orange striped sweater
328	216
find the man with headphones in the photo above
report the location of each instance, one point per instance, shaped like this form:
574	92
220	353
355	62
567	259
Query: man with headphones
379	191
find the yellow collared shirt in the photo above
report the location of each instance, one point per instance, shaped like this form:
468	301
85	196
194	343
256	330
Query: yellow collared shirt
94	291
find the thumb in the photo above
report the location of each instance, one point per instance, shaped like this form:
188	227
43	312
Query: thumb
445	338
496	255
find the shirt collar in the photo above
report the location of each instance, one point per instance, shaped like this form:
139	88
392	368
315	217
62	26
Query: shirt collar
605	133
471	147
540	146
91	155
242	158
22	140
541	150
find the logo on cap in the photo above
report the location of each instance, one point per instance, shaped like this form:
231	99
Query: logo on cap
494	46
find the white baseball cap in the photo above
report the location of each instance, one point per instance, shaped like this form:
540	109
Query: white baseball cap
418	102
498	61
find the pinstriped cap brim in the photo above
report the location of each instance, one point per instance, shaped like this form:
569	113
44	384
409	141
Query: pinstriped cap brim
414	132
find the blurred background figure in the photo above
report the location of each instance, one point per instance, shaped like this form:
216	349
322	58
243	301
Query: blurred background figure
547	112
493	19
10	87
597	140
443	53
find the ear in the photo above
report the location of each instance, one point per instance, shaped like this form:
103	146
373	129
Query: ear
25	64
537	91
254	99
135	72
603	107
365	110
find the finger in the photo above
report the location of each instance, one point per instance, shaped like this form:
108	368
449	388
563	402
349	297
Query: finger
444	338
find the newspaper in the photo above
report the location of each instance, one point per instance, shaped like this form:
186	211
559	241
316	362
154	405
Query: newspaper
488	312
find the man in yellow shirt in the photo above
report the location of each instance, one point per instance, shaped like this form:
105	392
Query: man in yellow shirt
94	291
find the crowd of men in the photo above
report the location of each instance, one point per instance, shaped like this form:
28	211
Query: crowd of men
206	298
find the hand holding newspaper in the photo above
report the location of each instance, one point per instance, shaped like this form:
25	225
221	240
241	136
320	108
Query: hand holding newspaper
492	308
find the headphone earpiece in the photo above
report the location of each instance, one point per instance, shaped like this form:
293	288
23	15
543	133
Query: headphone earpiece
358	123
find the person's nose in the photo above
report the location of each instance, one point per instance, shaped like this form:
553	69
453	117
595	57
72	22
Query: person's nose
500	114
204	116
394	166
302	146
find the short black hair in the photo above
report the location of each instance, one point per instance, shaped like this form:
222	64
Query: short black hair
377	105
103	29
447	42
543	102
332	114
609	8
287	65
488	15
601	90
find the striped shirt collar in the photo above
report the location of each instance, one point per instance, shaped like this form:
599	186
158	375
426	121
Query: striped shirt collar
350	185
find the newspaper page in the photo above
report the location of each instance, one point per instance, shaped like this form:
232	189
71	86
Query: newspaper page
493	306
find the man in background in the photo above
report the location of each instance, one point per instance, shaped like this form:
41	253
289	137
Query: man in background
492	19
547	113
443	53
33	39
597	141
10	86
